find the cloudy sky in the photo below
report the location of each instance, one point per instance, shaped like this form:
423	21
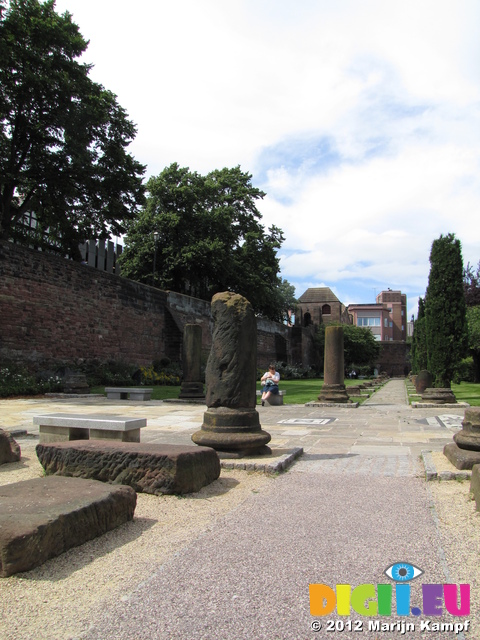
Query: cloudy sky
358	118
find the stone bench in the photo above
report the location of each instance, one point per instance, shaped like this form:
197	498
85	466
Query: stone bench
58	427
149	468
43	517
276	399
128	393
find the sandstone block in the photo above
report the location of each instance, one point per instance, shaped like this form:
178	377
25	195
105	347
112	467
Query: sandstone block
43	517
147	468
9	449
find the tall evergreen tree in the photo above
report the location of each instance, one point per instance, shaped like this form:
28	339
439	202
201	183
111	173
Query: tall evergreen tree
445	310
419	342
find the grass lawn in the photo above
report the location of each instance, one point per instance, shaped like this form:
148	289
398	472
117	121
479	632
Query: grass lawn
467	392
307	390
464	392
298	391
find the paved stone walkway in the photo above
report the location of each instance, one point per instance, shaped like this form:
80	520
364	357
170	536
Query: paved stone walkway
384	436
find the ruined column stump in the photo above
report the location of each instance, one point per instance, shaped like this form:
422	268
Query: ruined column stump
439	396
192	385
333	389
231	424
464	451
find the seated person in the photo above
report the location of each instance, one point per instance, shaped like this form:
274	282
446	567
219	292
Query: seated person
270	380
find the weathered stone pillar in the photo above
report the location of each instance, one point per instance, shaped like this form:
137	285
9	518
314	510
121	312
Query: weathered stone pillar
464	452
333	389
192	385
423	381
231	423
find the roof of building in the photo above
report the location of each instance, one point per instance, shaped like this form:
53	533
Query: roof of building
318	294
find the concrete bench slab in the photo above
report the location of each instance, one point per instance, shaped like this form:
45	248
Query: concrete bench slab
276	399
150	468
128	393
43	517
58	427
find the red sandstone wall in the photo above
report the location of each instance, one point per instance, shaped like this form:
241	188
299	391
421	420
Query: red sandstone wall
54	311
57	312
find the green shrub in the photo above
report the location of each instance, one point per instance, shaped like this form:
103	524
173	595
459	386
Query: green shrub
291	371
18	381
465	371
151	377
110	373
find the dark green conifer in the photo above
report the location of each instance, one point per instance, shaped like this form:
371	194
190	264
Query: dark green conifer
445	310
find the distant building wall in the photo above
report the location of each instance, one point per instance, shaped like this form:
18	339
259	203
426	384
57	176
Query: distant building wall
396	301
393	358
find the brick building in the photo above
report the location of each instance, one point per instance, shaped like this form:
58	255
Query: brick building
386	319
319	305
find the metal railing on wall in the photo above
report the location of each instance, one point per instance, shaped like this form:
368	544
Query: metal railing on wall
101	255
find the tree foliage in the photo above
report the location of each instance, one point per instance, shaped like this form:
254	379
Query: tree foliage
473	322
445	310
471	285
63	137
360	347
418	354
210	239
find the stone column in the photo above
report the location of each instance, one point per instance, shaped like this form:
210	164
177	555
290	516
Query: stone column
231	423
192	385
333	389
464	451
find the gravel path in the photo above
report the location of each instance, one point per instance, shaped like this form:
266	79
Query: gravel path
248	577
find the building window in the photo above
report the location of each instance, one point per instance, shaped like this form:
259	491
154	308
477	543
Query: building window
385	323
326	310
368	322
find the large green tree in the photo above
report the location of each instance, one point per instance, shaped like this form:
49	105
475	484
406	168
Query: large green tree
360	347
445	310
208	239
63	137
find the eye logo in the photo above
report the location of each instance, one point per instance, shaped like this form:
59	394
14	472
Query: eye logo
403	572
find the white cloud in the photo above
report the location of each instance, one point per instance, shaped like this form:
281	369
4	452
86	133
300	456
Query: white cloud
359	119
